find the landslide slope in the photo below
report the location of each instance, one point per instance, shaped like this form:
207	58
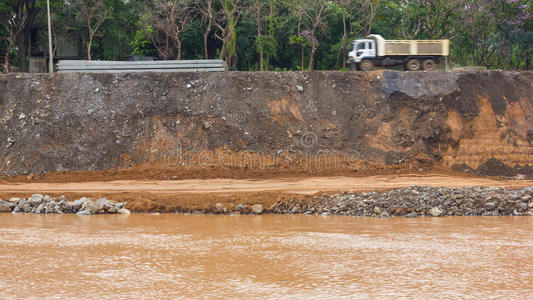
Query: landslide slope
222	124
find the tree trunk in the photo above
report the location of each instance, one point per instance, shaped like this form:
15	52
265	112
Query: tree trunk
223	50
260	48
343	45
206	36
89	46
179	49
313	49
261	68
528	59
23	53
7	56
299	32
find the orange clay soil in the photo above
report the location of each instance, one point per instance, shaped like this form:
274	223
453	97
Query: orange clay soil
199	194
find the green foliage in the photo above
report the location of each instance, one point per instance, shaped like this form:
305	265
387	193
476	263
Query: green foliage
141	45
267	44
490	33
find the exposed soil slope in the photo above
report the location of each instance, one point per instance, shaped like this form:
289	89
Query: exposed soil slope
239	124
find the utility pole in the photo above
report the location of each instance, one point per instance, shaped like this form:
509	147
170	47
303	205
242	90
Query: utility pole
51	63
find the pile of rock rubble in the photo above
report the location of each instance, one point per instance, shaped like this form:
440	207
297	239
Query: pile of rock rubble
417	201
40	204
408	202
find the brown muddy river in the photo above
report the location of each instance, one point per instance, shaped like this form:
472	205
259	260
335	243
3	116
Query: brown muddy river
272	256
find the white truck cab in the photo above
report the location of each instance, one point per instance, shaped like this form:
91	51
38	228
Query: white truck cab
362	49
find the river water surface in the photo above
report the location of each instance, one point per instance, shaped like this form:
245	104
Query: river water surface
271	256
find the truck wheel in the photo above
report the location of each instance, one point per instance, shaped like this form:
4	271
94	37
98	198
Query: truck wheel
366	65
429	64
353	67
412	65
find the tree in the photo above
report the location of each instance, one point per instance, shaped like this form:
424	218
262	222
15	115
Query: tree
429	19
207	13
510	16
257	12
226	21
18	17
298	7
169	20
316	12
262	13
91	15
9	39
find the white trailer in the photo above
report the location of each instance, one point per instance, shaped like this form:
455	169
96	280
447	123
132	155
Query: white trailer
412	54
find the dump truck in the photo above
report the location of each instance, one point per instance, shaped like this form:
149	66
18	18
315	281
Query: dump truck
412	54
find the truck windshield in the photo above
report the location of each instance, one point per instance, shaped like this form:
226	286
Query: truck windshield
360	46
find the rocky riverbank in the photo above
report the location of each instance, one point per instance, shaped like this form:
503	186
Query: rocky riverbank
407	202
419	201
39	204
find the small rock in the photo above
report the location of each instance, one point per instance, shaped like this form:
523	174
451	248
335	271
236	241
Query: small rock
83	213
385	214
5	209
435	211
124	211
257	209
411	215
77	204
40	208
189	85
377	210
206	125
300	88
530	205
14	200
21	203
490	205
415	192
220	208
526	190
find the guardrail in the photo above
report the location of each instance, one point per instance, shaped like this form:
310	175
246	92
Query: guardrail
94	66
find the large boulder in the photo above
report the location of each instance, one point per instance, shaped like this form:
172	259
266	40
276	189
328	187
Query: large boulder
35	199
95	206
6	206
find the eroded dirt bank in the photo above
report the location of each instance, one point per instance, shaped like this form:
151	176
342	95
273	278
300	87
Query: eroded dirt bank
80	127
